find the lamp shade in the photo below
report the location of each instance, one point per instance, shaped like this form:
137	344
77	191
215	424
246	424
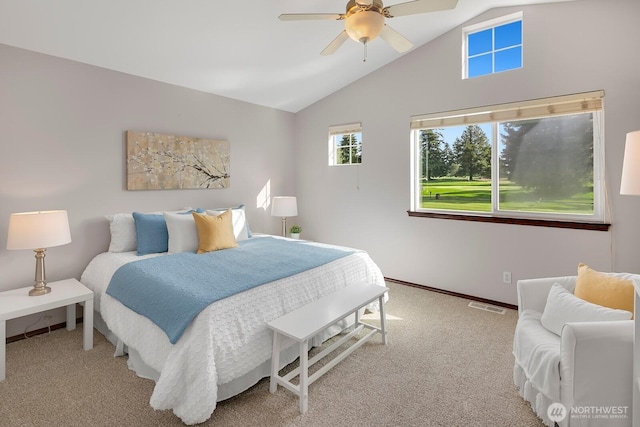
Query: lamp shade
35	230
284	206
364	26
630	183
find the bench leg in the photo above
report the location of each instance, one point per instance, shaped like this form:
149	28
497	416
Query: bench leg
304	376
275	362
383	320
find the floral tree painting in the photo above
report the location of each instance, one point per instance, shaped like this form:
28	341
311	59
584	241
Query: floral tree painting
163	162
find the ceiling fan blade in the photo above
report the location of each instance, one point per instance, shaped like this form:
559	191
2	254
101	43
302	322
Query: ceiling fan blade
418	6
309	16
395	39
335	43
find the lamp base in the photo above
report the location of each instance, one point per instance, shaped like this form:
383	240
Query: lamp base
40	285
43	290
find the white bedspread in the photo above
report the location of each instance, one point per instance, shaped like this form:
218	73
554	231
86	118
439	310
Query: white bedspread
226	340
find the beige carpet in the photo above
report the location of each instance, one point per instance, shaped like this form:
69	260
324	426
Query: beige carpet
445	365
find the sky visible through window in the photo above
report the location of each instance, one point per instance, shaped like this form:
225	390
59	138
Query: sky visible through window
495	49
451	133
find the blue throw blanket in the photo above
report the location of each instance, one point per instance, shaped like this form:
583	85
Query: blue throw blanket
171	290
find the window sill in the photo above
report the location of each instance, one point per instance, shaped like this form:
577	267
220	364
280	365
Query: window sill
594	226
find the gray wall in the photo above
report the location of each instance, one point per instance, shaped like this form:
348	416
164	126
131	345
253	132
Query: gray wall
568	48
62	132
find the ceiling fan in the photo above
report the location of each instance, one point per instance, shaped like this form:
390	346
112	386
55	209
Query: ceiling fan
364	20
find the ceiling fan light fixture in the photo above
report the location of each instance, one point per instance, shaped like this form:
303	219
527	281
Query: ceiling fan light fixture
364	26
364	20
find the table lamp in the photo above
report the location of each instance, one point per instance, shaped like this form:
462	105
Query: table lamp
38	231
284	206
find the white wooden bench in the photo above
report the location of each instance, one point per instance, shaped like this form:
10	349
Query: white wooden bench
311	319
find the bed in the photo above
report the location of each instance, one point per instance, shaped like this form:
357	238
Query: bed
226	348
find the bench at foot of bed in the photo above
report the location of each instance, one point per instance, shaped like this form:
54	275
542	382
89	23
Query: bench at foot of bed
311	319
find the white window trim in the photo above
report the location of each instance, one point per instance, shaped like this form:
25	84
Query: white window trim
517	16
546	107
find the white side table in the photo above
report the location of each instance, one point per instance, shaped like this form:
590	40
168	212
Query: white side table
18	303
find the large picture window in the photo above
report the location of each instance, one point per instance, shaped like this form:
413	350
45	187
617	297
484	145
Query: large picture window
535	159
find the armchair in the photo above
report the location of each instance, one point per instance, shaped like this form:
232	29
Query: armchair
588	368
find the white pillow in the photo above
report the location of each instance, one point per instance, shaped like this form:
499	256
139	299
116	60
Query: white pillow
239	219
183	234
123	231
562	307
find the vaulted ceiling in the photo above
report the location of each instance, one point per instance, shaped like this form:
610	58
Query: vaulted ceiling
236	49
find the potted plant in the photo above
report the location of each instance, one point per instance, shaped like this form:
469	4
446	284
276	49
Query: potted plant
295	231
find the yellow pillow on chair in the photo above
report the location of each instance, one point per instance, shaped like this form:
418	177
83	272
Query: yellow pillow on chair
604	289
214	232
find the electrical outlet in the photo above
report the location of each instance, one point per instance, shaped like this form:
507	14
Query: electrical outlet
506	277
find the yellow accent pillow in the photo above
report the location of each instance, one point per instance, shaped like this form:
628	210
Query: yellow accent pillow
214	232
604	289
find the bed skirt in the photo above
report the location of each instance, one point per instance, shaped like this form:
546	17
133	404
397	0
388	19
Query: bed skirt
227	390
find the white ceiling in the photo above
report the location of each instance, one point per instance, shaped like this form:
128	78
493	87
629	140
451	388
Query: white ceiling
237	49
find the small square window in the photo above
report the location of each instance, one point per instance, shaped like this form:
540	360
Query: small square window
493	46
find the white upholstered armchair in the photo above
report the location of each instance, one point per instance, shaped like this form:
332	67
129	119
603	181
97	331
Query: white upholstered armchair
587	367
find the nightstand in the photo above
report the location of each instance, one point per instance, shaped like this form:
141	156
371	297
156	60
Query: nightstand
18	303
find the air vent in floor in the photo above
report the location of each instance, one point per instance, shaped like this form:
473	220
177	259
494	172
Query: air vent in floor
486	307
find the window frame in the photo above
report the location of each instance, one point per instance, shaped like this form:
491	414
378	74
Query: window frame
491	24
338	131
540	108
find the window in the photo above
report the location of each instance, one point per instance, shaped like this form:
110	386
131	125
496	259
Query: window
345	144
539	159
493	46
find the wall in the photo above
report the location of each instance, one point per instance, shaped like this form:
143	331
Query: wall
568	48
62	132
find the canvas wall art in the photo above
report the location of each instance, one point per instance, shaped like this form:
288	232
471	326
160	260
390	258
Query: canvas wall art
165	162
